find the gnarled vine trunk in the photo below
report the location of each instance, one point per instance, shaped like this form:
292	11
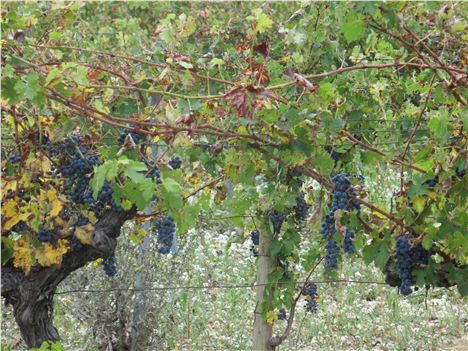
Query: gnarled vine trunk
32	296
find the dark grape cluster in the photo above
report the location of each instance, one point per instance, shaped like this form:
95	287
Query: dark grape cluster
81	221
77	170
310	293
294	172
123	135
37	180
109	264
295	175
460	172
284	265
431	183
415	98
335	156
282	314
302	208
24	195
14	158
166	233
348	245
103	200
75	244
404	261
342	200
19	227
45	235
175	163
154	172
276	219
343	191
333	251
407	256
255	238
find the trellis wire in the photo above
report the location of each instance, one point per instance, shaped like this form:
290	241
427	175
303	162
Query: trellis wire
208	287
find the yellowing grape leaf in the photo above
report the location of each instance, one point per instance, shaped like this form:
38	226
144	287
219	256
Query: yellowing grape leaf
418	203
39	164
55	201
85	233
271	317
22	255
9	208
22	216
194	178
25	181
378	214
10	185
97	262
49	255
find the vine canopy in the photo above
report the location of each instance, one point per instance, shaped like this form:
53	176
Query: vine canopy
184	110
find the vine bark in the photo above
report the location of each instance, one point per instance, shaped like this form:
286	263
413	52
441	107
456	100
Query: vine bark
32	296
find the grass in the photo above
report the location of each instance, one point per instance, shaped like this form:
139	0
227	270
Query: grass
349	316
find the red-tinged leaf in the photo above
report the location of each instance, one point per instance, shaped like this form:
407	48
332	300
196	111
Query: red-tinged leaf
80	99
186	119
305	83
263	48
262	76
180	57
192	130
253	89
238	99
241	47
93	74
204	13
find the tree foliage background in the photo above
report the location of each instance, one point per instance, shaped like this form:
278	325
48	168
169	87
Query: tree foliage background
263	105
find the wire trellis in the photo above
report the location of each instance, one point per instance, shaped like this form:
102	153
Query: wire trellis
209	287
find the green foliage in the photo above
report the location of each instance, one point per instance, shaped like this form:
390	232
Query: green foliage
244	94
49	346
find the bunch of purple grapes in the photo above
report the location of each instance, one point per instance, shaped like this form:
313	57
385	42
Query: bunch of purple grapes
123	135
276	219
255	238
166	234
75	243
342	200
153	172
109	264
407	257
45	236
310	293
77	169
175	163
302	208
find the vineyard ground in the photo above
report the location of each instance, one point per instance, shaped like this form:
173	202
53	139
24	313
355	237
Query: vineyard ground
350	316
